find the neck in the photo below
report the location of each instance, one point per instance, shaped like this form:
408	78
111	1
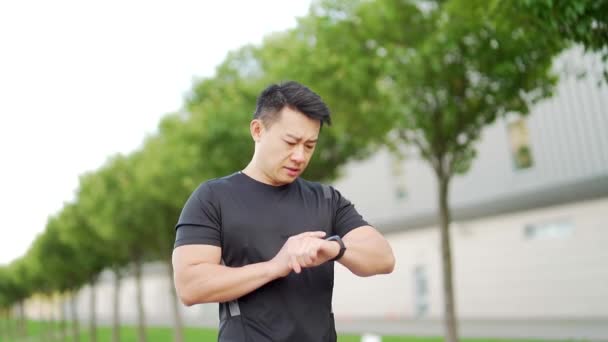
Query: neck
253	171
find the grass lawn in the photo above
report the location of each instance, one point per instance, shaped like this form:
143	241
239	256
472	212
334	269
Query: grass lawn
163	334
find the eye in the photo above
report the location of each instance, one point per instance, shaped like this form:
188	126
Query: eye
290	143
310	147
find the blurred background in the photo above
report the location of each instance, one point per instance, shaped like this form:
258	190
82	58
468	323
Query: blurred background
471	133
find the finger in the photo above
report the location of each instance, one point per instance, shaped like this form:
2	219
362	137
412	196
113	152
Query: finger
301	252
315	249
316	234
305	260
313	255
309	251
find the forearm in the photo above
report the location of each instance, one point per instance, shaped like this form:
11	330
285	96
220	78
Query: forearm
367	256
210	283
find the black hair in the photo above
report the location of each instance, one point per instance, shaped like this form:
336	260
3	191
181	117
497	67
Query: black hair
294	95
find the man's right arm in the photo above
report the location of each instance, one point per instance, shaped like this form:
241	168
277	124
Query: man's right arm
199	277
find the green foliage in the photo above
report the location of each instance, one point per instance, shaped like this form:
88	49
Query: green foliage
77	234
56	262
6	286
15	282
95	204
113	206
582	22
472	66
221	109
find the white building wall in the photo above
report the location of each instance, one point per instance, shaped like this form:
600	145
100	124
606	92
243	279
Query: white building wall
499	273
156	297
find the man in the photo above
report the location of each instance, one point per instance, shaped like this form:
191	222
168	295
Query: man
262	241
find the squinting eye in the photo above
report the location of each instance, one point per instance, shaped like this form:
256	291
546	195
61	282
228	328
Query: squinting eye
290	143
310	147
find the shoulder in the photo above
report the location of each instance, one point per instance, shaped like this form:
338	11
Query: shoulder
211	187
319	189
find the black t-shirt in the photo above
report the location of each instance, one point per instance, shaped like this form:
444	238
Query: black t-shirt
251	221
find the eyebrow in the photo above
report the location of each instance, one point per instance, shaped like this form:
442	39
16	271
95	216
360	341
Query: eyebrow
300	139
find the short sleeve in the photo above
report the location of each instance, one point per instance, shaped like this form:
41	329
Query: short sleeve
346	217
200	220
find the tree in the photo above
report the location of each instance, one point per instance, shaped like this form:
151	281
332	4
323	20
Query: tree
62	265
44	280
449	68
18	288
576	21
160	179
92	257
95	203
121	213
7	300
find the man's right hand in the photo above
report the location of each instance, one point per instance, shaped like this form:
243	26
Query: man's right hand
299	251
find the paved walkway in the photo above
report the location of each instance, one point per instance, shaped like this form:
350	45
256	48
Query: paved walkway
578	330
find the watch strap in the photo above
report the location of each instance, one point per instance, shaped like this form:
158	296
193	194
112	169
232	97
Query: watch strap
342	246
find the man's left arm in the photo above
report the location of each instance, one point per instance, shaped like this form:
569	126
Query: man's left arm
367	252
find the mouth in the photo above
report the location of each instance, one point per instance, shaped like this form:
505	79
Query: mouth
292	171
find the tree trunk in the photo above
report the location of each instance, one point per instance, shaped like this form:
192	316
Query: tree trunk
7	327
74	316
52	324
451	324
43	331
62	318
141	319
178	325
92	311
22	321
116	306
12	326
4	326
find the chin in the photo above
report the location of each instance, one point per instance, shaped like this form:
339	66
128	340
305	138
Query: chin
286	179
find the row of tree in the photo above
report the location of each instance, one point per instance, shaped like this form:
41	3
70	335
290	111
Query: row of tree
427	75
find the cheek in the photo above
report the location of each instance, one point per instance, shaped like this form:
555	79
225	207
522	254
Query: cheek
275	153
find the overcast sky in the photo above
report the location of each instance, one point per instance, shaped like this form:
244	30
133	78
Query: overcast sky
82	80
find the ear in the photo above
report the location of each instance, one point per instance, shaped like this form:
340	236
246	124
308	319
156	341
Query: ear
257	128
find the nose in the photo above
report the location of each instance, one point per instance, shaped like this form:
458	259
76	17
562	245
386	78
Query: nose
298	154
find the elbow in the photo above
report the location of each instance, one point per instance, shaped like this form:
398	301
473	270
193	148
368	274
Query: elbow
187	301
389	264
190	293
189	298
386	266
186	297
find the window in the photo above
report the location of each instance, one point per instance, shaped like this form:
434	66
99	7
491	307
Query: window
519	139
549	230
398	175
421	291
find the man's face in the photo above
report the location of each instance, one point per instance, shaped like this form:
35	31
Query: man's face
285	148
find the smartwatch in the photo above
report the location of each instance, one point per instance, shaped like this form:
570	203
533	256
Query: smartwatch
341	243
